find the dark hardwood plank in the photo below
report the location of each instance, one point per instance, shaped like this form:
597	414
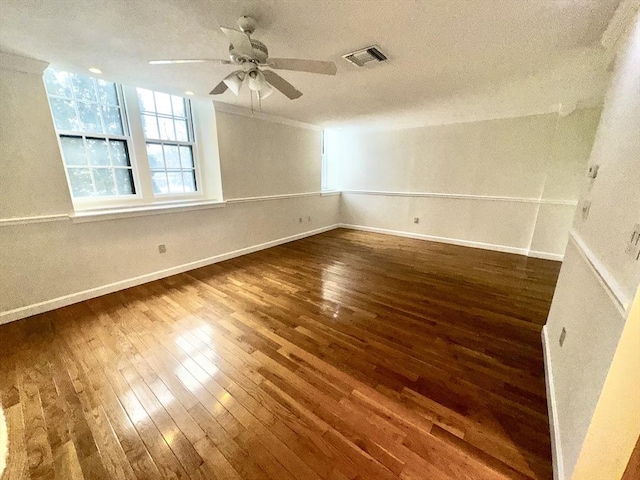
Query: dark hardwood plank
346	355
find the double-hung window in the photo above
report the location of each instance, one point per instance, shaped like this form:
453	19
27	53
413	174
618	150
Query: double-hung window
168	132
99	142
90	121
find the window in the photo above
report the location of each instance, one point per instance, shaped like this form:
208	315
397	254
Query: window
168	132
124	146
89	119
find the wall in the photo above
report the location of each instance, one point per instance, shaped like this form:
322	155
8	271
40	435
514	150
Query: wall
508	184
265	158
615	426
28	144
598	278
49	258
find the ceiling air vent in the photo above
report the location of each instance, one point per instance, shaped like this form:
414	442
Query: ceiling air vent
366	56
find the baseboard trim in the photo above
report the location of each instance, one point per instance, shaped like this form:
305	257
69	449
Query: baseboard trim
41	307
47	305
556	446
454	241
546	255
433	238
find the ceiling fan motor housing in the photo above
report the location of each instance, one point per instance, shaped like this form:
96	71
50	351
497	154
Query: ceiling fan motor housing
260	53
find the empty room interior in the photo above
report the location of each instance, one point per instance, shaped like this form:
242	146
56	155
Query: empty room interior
320	239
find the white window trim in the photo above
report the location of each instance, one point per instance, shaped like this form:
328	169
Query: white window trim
85	203
141	172
193	143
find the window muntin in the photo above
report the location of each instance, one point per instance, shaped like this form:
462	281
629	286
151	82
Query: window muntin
90	122
168	131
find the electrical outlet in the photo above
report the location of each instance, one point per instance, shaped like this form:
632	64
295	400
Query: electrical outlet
563	335
162	248
416	219
593	171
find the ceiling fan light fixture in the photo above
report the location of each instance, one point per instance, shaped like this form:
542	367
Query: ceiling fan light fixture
265	91
256	80
234	82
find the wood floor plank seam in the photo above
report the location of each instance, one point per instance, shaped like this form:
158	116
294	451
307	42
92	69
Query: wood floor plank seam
346	355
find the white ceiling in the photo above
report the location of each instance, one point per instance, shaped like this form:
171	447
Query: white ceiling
447	57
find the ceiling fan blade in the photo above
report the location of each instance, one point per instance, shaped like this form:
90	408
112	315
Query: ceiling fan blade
220	88
199	60
282	85
298	65
239	40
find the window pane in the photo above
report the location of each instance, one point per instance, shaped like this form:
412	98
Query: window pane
163	103
175	182
124	181
107	92
189	179
80	179
89	114
145	98
57	83
73	149
98	151
186	157
154	153
178	106
159	180
166	129
83	87
112	120
150	127
119	154
104	181
181	131
64	114
171	156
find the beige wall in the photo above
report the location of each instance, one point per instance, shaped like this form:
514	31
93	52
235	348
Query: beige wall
264	158
615	425
56	260
598	278
533	164
32	180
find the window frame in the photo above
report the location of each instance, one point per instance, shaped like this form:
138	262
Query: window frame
83	203
193	143
136	144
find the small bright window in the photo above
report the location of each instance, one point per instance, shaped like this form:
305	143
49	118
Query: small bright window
93	134
168	131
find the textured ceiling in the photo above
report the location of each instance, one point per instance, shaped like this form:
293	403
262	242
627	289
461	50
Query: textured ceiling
447	57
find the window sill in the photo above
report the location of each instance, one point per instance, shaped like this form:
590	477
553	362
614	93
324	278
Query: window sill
147	210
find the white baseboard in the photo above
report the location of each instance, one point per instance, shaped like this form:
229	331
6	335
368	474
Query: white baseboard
433	238
455	241
34	309
556	446
545	255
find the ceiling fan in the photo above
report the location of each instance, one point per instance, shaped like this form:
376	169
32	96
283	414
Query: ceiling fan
252	55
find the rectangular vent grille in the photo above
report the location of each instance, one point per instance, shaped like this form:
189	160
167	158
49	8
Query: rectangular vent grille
365	56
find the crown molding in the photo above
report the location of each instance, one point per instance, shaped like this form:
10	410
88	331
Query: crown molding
17	63
245	112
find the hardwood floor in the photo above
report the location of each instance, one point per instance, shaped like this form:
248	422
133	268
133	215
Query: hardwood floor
346	355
